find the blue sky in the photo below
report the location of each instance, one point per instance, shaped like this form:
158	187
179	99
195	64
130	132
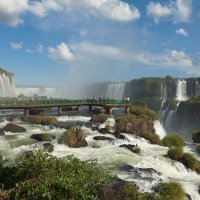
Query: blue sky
54	42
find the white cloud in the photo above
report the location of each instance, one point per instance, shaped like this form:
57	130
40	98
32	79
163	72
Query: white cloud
39	48
11	10
16	45
112	9
177	10
61	53
182	32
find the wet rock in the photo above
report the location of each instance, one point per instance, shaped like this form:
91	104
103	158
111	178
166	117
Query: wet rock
13	128
118	135
74	137
131	147
104	131
102	138
2	132
43	137
118	190
48	147
95	128
188	197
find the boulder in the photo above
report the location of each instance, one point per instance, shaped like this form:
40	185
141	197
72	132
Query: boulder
74	137
104	131
118	135
102	138
196	137
95	128
131	147
13	128
43	137
2	132
48	147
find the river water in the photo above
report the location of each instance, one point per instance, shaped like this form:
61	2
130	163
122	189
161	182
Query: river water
146	170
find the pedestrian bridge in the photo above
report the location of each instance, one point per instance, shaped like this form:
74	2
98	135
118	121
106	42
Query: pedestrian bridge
26	105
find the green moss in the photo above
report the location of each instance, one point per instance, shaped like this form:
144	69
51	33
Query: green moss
190	162
173	140
168	191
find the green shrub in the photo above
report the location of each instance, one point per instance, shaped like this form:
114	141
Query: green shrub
41	176
175	153
173	141
98	110
143	112
107	127
190	162
169	191
152	137
44	120
101	118
198	149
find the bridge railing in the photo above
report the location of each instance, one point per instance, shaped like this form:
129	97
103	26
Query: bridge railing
17	102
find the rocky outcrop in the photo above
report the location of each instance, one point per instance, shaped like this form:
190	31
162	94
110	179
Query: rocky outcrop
131	147
13	128
104	131
74	137
118	135
43	137
102	138
196	137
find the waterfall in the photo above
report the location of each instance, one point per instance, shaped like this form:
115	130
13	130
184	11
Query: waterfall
7	86
181	94
159	129
197	88
115	91
163	91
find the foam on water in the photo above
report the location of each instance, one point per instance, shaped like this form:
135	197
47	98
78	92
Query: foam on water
159	129
73	118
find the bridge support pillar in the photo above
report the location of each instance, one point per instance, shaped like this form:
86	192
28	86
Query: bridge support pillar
78	108
127	108
26	112
90	108
109	110
60	110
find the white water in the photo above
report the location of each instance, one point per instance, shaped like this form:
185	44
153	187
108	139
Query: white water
110	155
197	88
7	86
163	91
73	118
115	91
159	129
181	93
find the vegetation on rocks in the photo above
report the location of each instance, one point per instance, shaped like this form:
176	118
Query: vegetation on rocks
101	118
44	120
175	153
40	176
173	140
139	122
196	136
74	137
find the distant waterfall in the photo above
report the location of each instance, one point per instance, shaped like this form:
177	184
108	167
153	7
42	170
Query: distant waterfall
181	94
197	88
115	91
7	86
163	91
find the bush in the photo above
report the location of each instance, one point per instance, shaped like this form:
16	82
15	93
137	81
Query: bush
175	153
101	118
173	141
190	162
143	112
41	176
168	191
44	120
198	149
152	137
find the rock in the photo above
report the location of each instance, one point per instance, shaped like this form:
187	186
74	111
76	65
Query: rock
74	137
188	197
2	132
48	147
102	138
118	190
196	137
131	147
13	128
118	135
104	131
95	128
43	137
